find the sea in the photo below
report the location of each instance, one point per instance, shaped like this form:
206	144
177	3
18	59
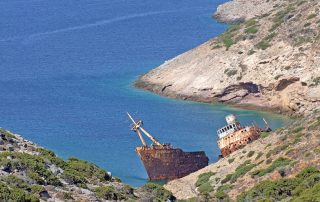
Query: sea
67	72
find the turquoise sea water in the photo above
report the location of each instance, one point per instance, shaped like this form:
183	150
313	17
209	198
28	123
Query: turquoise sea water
67	69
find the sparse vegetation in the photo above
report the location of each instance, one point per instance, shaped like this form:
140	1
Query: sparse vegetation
258	155
304	187
231	72
230	160
313	15
107	193
316	82
157	191
251	30
250	154
251	52
298	129
263	45
15	194
220	192
203	178
279	17
240	171
35	167
280	162
79	171
264	134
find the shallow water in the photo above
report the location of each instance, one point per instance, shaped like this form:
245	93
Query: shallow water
67	69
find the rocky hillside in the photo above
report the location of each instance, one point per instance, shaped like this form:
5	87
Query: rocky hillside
269	60
31	173
282	165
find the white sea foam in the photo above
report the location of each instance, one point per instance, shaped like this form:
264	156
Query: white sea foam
95	24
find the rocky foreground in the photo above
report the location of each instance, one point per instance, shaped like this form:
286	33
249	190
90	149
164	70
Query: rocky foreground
269	61
31	173
281	166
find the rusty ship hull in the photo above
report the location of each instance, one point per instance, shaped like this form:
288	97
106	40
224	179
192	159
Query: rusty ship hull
170	163
238	139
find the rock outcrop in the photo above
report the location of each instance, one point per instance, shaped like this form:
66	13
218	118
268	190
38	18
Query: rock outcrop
238	11
270	62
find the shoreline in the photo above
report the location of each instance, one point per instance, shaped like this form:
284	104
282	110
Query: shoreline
156	89
233	71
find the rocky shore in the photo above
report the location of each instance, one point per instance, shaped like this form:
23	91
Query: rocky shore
268	61
29	172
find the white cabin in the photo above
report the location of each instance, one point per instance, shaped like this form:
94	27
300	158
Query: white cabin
233	126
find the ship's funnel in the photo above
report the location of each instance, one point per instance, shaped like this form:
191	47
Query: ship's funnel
231	119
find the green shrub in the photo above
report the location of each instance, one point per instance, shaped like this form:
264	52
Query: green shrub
251	52
313	15
304	187
268	161
221	195
298	129
240	171
274	191
67	196
308	194
315	125
74	177
269	153
203	178
316	82
230	72
79	172
15	194
50	155
279	17
230	160
7	133
263	45
270	36
157	191
227	39
251	30
259	155
264	134
250	154
307	24
251	22
297	138
280	162
106	192
226	179
36	189
233	28
35	167
205	188
216	46
16	182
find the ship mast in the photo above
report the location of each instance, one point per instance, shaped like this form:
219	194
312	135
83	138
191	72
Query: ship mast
137	126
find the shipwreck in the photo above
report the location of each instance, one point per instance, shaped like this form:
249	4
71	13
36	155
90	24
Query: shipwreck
234	136
164	162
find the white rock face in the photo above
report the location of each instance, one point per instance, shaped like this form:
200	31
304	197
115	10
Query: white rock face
276	67
240	10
